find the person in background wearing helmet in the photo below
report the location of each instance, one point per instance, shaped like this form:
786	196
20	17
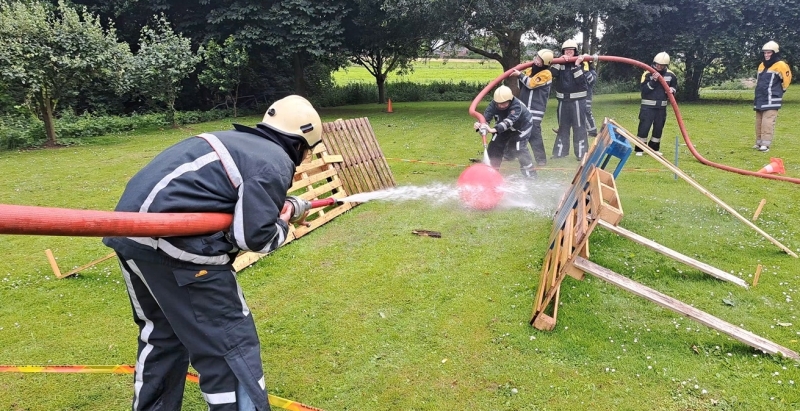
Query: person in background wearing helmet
534	90
591	80
653	109
183	290
571	92
512	126
772	80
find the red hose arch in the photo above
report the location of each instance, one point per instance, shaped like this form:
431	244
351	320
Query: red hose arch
672	101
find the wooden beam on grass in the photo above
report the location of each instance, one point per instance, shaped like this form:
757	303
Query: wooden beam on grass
760	207
52	260
684	309
635	141
691	262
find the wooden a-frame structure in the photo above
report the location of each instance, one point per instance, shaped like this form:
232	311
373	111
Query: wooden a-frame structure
593	200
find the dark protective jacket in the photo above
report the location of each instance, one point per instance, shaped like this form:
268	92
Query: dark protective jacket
515	118
569	81
240	172
771	83
534	89
653	94
591	79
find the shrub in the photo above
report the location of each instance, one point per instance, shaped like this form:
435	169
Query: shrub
363	93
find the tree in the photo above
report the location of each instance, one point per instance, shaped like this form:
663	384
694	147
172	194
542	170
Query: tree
225	67
495	28
52	53
708	38
163	60
384	40
304	31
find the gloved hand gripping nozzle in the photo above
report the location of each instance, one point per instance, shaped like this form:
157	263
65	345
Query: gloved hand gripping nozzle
302	207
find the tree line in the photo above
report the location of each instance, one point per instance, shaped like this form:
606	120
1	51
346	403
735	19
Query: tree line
123	56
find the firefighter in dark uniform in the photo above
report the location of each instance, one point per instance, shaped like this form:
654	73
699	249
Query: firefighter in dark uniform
653	109
772	80
512	126
591	80
183	290
571	91
534	90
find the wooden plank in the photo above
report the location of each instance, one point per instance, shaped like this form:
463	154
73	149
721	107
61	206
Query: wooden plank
760	207
341	137
331	158
708	269
758	274
89	264
714	272
312	179
362	165
635	140
333	146
369	140
684	309
53	264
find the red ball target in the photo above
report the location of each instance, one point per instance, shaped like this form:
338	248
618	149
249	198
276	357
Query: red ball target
479	187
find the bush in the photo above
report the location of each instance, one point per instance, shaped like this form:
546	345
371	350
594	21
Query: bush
23	130
363	93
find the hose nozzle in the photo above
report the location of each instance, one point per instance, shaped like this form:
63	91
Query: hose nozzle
302	207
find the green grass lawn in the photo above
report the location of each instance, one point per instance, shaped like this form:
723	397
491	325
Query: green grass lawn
363	315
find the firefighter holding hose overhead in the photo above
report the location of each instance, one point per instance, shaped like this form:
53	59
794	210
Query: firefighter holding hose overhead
512	126
653	108
183	290
534	90
571	91
773	78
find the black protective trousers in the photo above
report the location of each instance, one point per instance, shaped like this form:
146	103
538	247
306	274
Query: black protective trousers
519	142
571	115
655	118
192	315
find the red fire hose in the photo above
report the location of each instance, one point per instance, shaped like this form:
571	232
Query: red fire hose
15	219
672	101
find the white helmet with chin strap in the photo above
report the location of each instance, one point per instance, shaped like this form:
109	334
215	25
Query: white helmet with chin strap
771	46
546	56
661	58
295	116
503	94
569	44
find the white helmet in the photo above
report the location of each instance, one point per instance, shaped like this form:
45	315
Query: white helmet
295	116
546	56
771	46
661	58
570	44
503	94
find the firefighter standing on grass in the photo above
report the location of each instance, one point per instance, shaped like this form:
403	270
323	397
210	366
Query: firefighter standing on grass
653	109
534	90
571	91
183	290
512	125
774	77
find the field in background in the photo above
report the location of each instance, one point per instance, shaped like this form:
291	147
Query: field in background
427	71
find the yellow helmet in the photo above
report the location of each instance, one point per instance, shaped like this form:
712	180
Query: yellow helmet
546	56
295	116
771	46
661	58
503	94
570	44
